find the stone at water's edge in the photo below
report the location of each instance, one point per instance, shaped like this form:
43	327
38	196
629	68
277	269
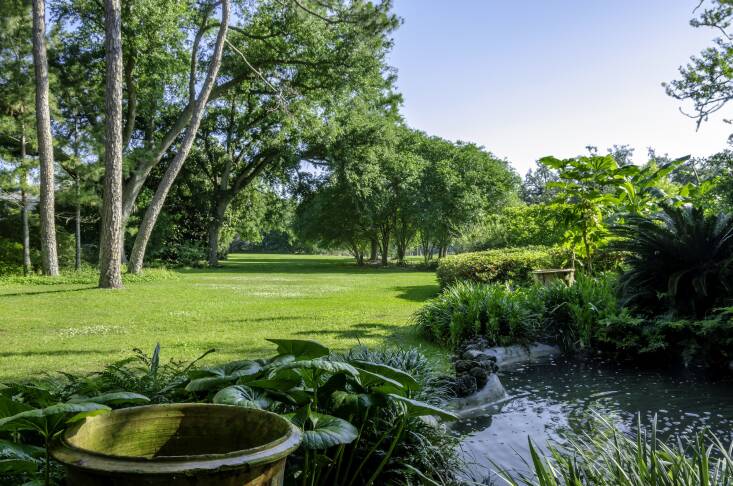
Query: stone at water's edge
492	392
517	355
502	358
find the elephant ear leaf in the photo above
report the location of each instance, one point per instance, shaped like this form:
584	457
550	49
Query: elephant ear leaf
300	348
324	365
19	458
415	408
115	398
322	431
403	378
78	411
209	383
353	402
241	396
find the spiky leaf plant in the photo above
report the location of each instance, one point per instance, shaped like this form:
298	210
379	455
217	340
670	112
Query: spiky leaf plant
680	261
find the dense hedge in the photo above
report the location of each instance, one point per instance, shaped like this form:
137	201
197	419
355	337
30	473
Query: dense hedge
500	265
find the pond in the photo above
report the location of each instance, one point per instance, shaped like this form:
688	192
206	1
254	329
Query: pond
546	400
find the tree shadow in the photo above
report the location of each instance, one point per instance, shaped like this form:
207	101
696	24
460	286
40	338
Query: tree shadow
59	352
57	291
417	293
357	331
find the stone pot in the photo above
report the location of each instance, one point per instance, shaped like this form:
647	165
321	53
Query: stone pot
178	445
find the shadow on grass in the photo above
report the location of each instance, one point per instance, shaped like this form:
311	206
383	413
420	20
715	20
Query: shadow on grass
357	331
58	352
57	291
417	293
244	263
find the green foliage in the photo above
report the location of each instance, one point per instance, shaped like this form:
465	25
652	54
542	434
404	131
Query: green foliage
608	456
467	309
361	412
568	315
592	189
516	226
500	265
679	261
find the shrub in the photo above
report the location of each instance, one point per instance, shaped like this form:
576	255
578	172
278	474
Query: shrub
500	265
679	260
87	275
467	309
569	316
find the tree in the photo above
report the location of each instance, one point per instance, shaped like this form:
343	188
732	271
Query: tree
110	250
707	79
49	258
16	111
151	215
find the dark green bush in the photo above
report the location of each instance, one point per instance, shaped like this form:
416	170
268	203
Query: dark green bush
501	265
679	260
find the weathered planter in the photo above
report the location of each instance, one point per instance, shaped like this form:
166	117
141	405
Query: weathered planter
178	445
546	276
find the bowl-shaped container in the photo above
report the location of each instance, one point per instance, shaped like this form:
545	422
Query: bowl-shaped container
178	445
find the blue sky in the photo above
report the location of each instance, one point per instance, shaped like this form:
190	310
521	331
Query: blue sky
547	77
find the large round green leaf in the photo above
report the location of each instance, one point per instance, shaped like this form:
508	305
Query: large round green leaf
417	408
210	383
323	365
241	396
322	431
403	378
18	458
354	402
379	383
115	398
300	348
79	411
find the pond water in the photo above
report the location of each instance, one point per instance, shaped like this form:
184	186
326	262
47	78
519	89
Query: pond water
545	400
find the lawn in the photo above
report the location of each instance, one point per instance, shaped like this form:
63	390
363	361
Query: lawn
75	328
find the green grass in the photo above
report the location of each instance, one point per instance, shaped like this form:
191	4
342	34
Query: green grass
76	327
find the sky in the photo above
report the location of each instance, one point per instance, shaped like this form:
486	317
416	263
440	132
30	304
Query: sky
531	78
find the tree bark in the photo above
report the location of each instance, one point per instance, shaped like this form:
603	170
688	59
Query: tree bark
49	258
110	251
374	249
384	246
217	220
77	226
156	205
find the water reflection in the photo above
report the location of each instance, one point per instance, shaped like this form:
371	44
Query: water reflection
548	399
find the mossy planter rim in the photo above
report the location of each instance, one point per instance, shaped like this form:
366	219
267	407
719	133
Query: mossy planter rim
270	452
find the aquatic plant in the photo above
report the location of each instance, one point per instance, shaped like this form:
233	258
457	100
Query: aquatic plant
608	456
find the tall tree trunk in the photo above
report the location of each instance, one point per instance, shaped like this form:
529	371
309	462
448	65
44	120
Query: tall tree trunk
109	247
27	268
384	246
374	248
49	258
77	226
156	205
217	220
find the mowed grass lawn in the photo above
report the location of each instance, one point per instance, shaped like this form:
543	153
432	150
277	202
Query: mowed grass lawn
77	328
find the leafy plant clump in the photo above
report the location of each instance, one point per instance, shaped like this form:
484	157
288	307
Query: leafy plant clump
607	456
367	416
680	260
513	265
567	315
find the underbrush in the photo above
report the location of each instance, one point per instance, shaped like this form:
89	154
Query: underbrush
585	317
87	275
368	416
607	456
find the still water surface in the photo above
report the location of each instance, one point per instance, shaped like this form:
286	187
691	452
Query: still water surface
545	400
